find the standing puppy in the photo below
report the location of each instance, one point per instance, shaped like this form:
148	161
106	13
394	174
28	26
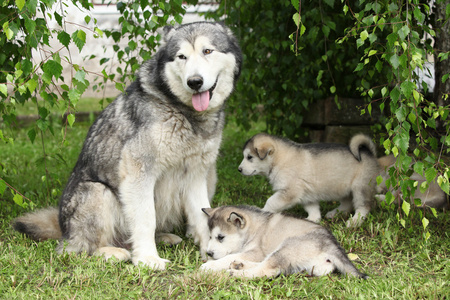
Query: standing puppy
250	242
148	163
434	196
308	173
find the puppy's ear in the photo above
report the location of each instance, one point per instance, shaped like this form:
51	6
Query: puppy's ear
237	220
208	211
264	149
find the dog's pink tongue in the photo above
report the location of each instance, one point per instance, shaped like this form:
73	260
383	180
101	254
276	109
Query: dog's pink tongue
200	101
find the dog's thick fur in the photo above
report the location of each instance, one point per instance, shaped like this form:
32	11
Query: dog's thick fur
250	242
148	162
434	196
308	173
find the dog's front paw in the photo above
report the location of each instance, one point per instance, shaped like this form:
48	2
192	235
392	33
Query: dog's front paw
210	265
154	262
213	265
234	272
237	265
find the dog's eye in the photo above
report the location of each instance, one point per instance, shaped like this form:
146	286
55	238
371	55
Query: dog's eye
220	238
181	56
207	51
249	157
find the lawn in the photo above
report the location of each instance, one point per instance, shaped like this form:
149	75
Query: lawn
400	262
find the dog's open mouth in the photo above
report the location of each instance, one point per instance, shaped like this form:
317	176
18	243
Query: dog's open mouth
200	101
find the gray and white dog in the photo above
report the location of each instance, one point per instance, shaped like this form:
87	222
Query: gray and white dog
309	173
249	242
148	162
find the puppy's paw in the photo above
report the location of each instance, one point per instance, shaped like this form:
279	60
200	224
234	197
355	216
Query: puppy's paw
234	272
244	274
237	265
211	265
355	221
152	261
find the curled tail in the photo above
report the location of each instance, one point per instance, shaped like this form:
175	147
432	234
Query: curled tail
361	142
40	225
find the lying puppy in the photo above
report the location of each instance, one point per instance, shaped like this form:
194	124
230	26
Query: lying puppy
250	242
308	173
434	196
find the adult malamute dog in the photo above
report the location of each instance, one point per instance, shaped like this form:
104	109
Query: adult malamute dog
308	173
251	242
148	161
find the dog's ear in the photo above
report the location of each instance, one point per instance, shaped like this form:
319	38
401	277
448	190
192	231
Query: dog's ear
264	149
237	220
166	33
208	211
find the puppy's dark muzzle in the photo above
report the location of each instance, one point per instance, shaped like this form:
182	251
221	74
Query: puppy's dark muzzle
210	254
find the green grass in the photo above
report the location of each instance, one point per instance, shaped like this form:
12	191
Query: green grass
401	264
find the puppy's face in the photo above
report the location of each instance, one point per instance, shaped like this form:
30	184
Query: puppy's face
257	159
227	232
223	243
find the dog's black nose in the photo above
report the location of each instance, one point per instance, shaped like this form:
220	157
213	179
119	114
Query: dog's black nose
210	253
195	82
240	169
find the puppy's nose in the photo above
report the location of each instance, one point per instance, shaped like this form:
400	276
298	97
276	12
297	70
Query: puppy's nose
210	253
195	82
240	169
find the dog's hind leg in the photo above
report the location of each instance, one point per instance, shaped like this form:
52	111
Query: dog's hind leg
168	238
118	253
345	207
262	269
277	262
90	219
362	202
271	266
296	254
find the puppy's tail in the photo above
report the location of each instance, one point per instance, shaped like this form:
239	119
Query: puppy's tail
40	225
362	143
